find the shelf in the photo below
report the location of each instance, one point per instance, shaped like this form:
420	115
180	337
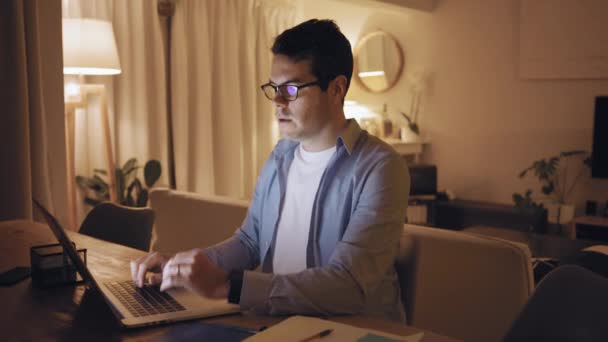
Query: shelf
404	147
592	221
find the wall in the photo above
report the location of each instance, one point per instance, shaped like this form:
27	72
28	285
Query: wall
485	123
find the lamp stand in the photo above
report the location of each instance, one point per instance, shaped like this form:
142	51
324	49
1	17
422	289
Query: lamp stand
70	112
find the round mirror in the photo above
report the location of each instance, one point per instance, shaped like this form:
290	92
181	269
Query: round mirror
378	61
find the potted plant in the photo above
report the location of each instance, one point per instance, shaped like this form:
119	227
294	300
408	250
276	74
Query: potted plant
130	190
556	185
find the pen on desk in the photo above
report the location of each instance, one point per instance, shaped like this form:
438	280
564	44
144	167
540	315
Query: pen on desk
318	335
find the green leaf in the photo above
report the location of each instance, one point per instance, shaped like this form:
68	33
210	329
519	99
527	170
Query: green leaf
142	200
134	186
548	189
572	153
131	176
120	184
103	172
152	172
129	201
133	191
414	128
91	201
99	185
518	199
84	182
129	165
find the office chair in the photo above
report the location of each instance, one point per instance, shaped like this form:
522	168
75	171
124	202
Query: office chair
569	304
119	224
594	258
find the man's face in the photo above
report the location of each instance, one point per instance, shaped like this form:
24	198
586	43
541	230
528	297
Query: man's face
304	118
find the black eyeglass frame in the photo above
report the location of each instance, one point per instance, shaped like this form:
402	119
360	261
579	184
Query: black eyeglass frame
277	89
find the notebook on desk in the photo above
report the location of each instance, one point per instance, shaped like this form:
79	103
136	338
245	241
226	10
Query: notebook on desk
303	328
136	307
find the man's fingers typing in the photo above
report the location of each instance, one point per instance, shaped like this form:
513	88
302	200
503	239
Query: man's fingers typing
145	264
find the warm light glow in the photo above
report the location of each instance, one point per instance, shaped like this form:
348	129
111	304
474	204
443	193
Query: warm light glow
90	71
89	48
72	90
371	73
353	110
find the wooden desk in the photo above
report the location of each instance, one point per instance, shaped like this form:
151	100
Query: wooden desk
71	313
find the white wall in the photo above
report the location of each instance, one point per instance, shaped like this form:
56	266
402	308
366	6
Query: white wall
486	124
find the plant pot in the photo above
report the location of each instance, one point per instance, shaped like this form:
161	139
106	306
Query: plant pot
566	213
552	211
559	213
406	135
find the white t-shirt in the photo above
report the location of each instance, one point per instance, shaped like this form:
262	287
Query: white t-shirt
294	225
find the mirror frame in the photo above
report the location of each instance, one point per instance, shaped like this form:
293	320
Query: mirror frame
358	47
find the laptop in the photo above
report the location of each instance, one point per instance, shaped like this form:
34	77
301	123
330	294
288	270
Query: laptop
137	307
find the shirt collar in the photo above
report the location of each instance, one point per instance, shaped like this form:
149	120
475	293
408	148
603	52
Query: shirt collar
350	135
348	138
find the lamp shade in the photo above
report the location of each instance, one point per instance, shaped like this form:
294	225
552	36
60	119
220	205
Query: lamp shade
89	47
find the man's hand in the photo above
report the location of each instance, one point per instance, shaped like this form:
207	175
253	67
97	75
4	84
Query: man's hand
194	271
153	262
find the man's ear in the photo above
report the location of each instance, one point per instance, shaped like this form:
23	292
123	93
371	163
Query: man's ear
337	88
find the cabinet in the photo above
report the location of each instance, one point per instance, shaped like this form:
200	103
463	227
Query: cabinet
589	228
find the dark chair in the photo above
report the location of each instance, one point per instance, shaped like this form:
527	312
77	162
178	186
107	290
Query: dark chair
569	304
594	258
119	224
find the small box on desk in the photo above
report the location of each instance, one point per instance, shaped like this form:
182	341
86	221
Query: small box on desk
51	266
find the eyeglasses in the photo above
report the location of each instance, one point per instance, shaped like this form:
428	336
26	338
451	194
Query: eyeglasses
287	91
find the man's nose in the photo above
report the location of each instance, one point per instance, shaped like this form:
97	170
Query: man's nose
278	100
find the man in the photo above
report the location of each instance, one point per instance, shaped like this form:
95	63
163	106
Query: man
328	207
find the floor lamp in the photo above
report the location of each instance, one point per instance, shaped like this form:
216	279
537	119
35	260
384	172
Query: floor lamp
89	48
166	10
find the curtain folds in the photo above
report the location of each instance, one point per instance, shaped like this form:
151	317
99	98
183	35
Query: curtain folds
32	135
222	124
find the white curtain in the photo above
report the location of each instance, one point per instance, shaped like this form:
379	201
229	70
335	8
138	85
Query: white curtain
223	123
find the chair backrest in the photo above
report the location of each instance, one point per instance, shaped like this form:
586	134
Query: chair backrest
462	285
186	220
119	224
569	304
594	258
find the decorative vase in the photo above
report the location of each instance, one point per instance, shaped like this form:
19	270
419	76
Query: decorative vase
566	213
559	213
552	211
406	135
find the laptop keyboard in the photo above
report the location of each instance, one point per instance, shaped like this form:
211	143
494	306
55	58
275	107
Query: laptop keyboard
145	301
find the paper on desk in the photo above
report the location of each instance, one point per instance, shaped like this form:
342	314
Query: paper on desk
297	328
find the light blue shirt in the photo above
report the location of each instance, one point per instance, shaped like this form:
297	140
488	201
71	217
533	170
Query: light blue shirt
357	219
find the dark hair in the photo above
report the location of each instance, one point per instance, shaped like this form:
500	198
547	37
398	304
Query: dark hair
321	43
